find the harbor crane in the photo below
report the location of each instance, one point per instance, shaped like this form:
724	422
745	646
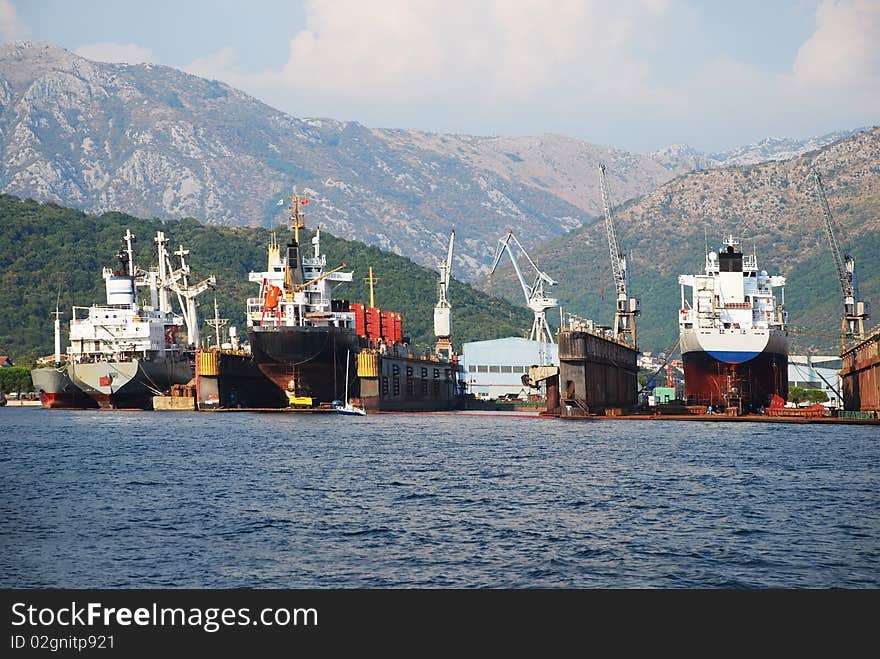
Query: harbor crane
627	307
534	294
443	310
855	311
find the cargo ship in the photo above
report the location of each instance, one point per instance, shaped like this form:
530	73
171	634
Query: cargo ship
124	352
52	382
733	340
301	338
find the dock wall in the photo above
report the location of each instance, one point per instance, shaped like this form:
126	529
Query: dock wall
860	375
596	374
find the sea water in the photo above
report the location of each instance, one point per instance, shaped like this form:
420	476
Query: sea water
94	499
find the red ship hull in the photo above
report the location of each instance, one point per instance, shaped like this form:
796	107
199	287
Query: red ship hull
749	385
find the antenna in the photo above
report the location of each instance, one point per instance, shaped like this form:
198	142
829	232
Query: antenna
217	322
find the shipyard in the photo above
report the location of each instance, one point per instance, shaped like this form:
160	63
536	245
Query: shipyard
305	300
310	350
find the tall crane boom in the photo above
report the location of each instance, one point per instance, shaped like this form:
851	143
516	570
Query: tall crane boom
443	310
855	312
536	300
844	273
627	307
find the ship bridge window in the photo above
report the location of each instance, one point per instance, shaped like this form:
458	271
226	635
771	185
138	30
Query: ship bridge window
472	368
507	369
730	262
482	369
494	369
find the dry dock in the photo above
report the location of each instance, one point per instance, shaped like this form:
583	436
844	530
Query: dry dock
860	373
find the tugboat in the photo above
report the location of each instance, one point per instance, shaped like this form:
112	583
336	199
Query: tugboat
734	344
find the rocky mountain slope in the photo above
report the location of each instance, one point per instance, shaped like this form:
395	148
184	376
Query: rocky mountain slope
774	209
681	157
156	142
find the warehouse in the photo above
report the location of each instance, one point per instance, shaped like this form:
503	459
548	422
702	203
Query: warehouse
495	368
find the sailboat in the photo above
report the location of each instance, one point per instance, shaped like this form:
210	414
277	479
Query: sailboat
348	408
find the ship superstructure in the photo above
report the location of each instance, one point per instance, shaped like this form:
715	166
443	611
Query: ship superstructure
732	329
124	352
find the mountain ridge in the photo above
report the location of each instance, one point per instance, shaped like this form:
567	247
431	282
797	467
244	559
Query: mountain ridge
158	142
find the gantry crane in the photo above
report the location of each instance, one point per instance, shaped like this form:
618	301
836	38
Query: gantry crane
534	294
855	311
627	307
443	310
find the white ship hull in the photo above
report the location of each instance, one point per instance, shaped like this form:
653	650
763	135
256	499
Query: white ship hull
131	383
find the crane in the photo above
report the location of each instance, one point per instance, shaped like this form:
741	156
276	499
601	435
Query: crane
534	294
179	283
443	310
855	311
627	307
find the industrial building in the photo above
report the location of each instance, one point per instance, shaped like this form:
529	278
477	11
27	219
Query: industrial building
495	368
815	372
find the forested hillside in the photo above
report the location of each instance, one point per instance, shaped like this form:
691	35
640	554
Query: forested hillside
50	254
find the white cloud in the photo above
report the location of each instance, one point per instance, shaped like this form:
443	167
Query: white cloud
487	54
116	53
10	25
842	57
845	47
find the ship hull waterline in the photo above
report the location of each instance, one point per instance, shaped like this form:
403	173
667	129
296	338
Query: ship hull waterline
130	384
730	369
58	392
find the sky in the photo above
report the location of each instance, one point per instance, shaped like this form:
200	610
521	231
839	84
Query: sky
638	75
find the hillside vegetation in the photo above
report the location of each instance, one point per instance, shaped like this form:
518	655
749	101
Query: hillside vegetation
51	254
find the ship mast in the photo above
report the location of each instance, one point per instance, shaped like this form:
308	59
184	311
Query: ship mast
293	271
371	280
217	322
57	315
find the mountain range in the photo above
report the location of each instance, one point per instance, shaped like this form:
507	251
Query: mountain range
156	142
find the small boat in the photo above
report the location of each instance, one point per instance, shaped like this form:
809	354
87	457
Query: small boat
347	407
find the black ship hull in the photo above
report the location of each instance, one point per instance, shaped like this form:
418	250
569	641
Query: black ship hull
306	362
229	379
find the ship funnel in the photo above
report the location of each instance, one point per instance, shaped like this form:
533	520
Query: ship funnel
120	289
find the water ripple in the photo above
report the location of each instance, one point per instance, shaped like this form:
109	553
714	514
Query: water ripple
297	501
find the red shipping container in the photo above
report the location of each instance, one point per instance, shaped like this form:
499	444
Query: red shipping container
398	327
388	326
374	322
360	318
